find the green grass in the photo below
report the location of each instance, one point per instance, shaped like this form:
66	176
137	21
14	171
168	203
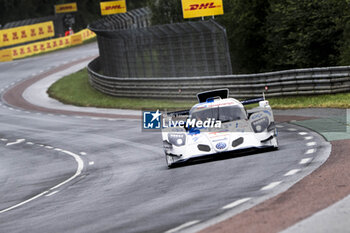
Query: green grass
340	100
75	89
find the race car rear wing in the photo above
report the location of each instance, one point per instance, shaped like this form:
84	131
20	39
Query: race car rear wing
252	101
204	96
179	113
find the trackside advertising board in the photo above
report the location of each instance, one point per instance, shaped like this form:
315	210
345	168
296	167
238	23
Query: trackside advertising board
199	8
23	34
45	46
5	55
66	8
113	7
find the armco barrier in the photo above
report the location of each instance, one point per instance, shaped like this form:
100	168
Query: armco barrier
281	83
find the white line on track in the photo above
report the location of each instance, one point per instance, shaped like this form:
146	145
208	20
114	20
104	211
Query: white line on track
80	167
311	143
18	141
236	203
80	163
279	126
183	226
310	151
4	139
91	163
29	143
82	153
292	129
49	147
271	185
305	161
24	202
292	172
308	137
52	193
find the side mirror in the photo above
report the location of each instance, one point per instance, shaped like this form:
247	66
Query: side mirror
263	103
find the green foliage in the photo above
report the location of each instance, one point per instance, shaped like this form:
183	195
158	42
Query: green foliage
304	33
277	34
244	21
11	10
165	11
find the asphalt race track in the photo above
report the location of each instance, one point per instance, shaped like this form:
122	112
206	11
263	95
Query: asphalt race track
66	173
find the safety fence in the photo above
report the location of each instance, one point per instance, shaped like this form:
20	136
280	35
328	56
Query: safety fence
129	47
45	46
281	83
138	18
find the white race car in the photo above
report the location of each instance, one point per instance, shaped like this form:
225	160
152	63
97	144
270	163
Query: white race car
224	126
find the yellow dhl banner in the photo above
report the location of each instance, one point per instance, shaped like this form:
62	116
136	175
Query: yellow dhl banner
40	47
5	55
199	8
65	8
45	46
76	39
19	35
113	7
86	34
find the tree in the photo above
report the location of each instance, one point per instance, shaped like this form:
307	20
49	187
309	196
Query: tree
165	11
304	33
244	21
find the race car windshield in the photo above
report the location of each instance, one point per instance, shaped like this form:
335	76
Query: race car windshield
223	114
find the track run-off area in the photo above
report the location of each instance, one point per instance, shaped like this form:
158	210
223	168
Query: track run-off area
69	170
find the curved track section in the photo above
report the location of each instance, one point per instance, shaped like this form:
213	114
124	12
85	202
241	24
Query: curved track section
125	185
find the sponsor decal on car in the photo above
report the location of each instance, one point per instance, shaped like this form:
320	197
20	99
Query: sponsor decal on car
220	145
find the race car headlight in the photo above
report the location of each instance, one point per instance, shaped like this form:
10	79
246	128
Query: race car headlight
177	139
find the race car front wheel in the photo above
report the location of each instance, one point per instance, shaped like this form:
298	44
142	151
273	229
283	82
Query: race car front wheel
169	160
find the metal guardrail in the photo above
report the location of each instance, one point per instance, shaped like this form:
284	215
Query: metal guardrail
281	83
